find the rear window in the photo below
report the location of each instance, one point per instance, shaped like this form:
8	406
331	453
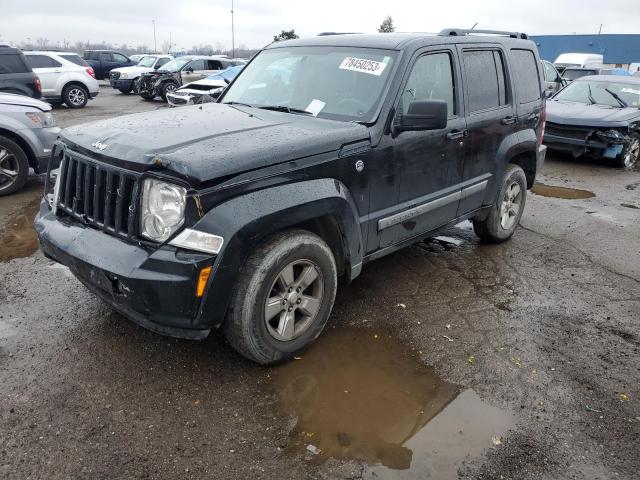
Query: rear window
75	59
42	61
13	64
486	86
526	76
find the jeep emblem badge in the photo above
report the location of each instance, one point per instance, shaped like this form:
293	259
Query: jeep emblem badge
99	146
359	166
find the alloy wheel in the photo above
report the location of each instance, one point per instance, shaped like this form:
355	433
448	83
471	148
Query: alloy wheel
294	300
76	96
632	153
8	168
510	206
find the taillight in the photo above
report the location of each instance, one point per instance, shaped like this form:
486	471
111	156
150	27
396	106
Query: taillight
38	85
543	123
91	72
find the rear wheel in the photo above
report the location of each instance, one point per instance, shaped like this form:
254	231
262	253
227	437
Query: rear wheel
630	156
506	212
75	96
283	297
14	167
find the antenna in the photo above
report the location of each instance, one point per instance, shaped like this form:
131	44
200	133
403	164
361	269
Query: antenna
474	26
233	35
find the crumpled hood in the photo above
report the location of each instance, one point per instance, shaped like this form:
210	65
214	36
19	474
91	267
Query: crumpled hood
213	140
579	114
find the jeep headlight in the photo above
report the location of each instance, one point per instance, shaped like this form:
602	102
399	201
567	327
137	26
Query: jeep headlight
124	75
162	209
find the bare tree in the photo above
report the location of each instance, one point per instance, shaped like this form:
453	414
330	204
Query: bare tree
166	46
387	25
42	43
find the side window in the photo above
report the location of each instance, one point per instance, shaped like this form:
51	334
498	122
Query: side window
12	64
486	83
105	56
214	65
41	61
431	79
119	58
161	62
195	65
550	74
526	76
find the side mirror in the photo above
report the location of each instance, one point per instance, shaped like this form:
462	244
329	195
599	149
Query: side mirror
424	115
548	93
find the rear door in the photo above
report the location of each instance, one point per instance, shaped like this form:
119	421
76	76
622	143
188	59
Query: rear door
491	116
212	67
48	70
526	80
16	75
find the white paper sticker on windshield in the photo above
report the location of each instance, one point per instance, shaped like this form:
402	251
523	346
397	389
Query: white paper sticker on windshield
631	90
315	107
363	65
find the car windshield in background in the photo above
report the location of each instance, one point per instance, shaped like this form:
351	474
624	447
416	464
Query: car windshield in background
175	65
74	59
572	75
599	92
147	62
338	83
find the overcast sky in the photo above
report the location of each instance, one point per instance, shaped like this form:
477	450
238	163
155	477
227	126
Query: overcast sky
209	22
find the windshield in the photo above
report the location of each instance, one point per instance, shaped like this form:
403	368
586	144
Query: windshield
572	75
339	83
147	62
611	94
175	65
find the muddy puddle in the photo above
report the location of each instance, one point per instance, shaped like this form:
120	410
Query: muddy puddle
561	192
357	394
17	237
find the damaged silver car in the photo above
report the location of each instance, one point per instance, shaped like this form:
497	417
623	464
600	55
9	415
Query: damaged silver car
598	116
203	91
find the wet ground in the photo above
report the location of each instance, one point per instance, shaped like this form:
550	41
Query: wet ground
449	359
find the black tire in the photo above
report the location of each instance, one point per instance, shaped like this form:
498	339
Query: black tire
126	91
12	159
147	96
168	87
492	228
246	327
75	96
630	156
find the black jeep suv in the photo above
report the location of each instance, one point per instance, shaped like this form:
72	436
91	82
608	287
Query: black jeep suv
16	75
322	155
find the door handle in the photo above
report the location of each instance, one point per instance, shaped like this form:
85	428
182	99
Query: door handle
508	120
534	117
457	134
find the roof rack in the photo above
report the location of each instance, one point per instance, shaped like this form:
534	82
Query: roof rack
328	34
459	32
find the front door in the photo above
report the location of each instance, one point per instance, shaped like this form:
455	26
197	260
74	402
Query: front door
427	164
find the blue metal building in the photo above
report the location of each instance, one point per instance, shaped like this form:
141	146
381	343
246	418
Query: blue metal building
617	49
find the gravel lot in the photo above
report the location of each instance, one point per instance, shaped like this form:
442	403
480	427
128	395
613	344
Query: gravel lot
449	359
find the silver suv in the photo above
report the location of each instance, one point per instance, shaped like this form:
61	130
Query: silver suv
27	134
65	77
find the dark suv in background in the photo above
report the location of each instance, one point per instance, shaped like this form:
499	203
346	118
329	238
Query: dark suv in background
16	75
322	155
103	61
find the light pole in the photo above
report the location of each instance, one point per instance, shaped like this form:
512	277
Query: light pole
233	37
155	46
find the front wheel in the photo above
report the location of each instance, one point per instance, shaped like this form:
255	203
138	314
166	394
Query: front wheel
167	88
14	167
630	156
283	297
126	91
506	212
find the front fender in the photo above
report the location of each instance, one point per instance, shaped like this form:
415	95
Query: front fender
246	220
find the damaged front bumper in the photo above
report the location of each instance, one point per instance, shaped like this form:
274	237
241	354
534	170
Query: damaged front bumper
155	289
585	140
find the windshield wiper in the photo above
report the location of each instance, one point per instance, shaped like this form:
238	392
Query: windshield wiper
622	103
282	108
238	103
590	97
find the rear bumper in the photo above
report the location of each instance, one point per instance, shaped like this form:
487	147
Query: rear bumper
155	289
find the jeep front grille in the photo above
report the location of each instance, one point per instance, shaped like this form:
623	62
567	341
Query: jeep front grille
115	75
99	195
